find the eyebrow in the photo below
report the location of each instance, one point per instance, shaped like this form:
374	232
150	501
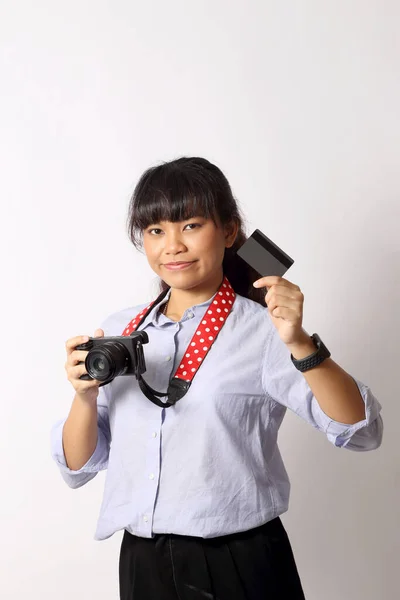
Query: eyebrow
176	222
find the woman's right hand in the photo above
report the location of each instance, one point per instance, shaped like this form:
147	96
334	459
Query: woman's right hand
83	387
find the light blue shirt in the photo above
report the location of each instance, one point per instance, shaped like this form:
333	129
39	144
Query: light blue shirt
209	465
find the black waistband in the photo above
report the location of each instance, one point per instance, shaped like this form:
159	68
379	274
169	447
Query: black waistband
273	526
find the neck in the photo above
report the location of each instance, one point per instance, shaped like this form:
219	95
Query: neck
181	300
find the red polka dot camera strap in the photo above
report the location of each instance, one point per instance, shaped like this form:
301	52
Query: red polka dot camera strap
210	325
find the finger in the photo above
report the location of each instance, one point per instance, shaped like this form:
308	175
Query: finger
284	291
98	333
281	301
288	314
75	341
77	371
275	281
269	281
74	373
76	357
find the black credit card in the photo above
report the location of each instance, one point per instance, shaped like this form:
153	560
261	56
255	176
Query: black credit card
264	256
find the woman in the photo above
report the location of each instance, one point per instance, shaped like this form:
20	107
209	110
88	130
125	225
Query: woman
196	481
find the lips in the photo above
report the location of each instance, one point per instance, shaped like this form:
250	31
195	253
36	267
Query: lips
178	266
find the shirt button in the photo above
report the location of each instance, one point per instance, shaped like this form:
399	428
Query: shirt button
151	476
145	518
190	315
154	434
167	358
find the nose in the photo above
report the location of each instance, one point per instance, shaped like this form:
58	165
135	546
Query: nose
174	243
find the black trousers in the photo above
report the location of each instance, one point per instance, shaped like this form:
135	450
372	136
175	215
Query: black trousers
252	565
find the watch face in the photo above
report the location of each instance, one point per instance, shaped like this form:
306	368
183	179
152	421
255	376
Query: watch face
317	339
321	346
309	362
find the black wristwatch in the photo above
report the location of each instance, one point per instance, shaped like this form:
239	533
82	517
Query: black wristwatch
309	362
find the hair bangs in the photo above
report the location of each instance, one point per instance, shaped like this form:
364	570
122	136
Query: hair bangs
187	187
169	195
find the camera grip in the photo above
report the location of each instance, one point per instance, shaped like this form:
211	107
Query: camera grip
85	346
86	377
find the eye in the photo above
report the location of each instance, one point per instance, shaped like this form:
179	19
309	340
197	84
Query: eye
157	229
193	225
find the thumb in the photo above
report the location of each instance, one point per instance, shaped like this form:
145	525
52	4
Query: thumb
99	333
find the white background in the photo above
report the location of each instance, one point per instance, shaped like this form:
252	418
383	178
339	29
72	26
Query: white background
298	103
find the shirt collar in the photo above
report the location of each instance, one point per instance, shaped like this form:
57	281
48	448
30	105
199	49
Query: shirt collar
193	312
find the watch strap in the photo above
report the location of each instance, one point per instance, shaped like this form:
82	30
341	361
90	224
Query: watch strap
315	359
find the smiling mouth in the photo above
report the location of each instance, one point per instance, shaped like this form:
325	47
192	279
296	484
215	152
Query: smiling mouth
177	266
180	262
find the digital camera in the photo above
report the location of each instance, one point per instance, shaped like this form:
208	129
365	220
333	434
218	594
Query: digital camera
110	357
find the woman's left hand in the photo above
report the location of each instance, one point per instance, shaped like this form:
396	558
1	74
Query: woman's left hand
285	306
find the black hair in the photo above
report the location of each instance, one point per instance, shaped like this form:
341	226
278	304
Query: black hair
189	187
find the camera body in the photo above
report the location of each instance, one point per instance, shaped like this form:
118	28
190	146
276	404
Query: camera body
112	356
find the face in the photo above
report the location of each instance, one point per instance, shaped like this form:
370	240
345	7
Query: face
198	242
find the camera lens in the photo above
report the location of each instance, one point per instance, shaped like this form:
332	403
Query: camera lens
107	361
99	364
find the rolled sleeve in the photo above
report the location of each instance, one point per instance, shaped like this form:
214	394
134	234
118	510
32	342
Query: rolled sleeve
99	459
363	435
287	386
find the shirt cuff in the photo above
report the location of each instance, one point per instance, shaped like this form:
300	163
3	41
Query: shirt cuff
97	462
341	433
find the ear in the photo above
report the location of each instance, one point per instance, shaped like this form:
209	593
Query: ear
231	231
